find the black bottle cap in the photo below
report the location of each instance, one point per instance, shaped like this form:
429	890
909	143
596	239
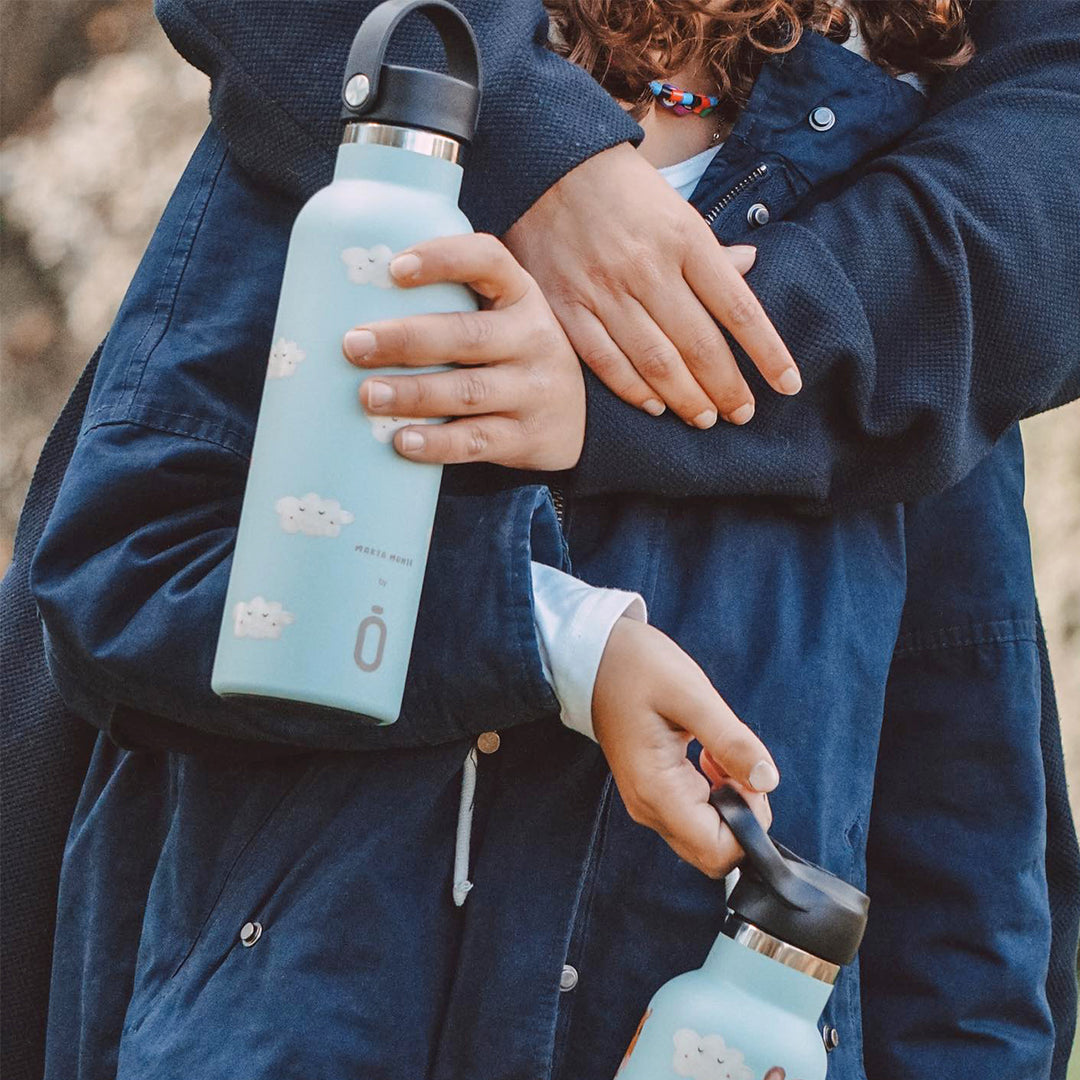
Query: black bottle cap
414	97
788	897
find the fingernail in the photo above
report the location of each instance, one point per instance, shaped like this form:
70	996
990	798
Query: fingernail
379	393
653	407
742	414
705	419
790	382
358	343
405	266
412	441
743	256
763	776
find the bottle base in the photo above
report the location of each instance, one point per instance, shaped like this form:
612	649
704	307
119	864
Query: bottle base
331	710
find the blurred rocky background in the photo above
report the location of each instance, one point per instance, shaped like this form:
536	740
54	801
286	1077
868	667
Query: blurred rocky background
97	118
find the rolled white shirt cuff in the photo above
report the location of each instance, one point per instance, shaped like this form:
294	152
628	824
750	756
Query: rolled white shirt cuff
573	623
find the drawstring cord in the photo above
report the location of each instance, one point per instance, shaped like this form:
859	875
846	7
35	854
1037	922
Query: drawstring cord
462	884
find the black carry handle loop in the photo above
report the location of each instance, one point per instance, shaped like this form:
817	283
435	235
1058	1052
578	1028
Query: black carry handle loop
368	52
768	860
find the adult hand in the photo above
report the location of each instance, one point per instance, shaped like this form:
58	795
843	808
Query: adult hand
639	282
519	391
649	700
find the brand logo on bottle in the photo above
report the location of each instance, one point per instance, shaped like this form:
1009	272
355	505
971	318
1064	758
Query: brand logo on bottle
368	654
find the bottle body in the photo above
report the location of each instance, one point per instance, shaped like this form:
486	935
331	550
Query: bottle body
335	526
741	1016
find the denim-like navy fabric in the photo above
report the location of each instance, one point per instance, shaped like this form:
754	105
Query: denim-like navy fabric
364	967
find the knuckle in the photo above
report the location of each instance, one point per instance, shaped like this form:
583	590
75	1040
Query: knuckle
397	339
603	363
472	390
477	440
472	329
490	246
712	866
702	349
656	362
413	393
544	339
744	311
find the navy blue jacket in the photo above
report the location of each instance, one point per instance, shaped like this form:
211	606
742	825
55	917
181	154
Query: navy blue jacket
844	585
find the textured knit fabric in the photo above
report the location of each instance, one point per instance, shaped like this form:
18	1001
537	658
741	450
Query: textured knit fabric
276	64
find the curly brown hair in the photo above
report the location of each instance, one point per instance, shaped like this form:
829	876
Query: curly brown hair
626	43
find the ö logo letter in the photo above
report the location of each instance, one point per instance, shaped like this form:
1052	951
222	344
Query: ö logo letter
373	625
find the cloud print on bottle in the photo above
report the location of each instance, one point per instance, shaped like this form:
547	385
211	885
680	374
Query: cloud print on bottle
383	427
311	515
708	1057
285	356
368	266
260	618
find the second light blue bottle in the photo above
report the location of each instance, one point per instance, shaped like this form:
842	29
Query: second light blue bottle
335	527
752	1010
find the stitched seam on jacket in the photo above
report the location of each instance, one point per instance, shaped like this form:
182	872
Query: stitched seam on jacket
998	632
166	430
165	288
179	278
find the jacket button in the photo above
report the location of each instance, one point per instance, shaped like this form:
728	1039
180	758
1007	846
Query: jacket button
568	979
250	932
758	214
488	742
822	118
830	1037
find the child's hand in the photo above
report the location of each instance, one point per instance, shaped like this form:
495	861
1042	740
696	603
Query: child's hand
650	699
519	390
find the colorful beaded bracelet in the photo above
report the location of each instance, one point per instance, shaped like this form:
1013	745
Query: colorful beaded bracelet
682	101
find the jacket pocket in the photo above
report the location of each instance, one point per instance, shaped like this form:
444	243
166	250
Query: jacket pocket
222	814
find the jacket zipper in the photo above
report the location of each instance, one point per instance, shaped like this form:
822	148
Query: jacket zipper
737	190
559	502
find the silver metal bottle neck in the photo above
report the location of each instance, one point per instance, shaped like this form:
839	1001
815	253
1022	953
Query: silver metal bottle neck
404	138
756	939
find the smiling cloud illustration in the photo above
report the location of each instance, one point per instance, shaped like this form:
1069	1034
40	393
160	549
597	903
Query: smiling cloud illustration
311	515
383	427
259	618
284	358
708	1057
368	266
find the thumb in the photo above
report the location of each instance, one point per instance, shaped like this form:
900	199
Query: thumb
741	256
728	743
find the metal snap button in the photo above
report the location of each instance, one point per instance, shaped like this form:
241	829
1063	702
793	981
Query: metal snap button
822	118
250	932
488	742
357	90
568	979
758	214
830	1037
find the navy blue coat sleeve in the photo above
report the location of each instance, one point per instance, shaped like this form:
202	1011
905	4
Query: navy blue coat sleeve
276	68
131	571
931	304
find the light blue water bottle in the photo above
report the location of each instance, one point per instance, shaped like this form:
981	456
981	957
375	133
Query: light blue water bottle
751	1011
335	527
